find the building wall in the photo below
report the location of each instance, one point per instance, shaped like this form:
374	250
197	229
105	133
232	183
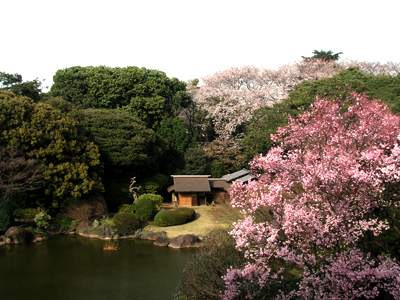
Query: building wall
185	199
192	199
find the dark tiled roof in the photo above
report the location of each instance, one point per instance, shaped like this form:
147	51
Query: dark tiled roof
236	175
246	178
190	183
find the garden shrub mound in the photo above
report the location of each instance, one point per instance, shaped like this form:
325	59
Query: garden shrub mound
145	208
178	216
156	199
125	223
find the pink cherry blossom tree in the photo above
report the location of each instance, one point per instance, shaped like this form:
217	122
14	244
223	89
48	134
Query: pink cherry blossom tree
388	68
231	97
327	189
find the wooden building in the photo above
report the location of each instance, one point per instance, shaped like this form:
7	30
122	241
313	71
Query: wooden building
242	175
195	190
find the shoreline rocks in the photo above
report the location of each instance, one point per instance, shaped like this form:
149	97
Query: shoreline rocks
94	230
18	235
184	241
161	241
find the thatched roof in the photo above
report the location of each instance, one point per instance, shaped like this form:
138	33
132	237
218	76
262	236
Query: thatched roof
218	183
190	183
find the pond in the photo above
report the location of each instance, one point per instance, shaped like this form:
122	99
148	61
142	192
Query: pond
75	268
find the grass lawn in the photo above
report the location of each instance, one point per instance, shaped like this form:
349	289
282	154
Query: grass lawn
208	218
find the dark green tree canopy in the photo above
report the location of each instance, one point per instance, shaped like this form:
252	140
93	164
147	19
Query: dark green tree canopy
149	94
70	162
380	86
195	161
179	140
174	131
324	55
14	83
123	140
264	122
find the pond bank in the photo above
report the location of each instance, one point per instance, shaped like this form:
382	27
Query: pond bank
181	236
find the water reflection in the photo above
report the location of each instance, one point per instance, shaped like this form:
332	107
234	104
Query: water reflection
74	268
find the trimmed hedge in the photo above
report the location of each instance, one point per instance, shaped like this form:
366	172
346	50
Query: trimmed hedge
145	208
178	216
157	199
125	223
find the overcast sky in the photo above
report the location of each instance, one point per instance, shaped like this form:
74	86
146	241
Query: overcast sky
190	39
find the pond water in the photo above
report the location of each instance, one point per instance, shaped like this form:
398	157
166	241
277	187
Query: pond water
75	268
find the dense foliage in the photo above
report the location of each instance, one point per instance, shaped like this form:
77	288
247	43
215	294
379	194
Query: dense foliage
70	162
17	175
148	94
177	216
156	199
179	140
15	84
173	130
42	219
202	276
231	97
323	55
331	186
267	120
195	161
145	208
6	216
379	86
120	123
124	142
125	223
226	154
25	214
127	208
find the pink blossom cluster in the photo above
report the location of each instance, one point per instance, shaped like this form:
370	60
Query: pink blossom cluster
230	97
323	184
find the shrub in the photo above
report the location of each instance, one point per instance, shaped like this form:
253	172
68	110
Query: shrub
178	216
154	184
125	223
156	199
201	277
25	214
127	208
42	219
63	222
145	208
217	169
162	180
151	187
186	211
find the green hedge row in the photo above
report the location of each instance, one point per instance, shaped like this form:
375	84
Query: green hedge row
180	215
125	223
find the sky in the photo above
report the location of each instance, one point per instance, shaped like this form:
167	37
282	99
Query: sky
190	39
